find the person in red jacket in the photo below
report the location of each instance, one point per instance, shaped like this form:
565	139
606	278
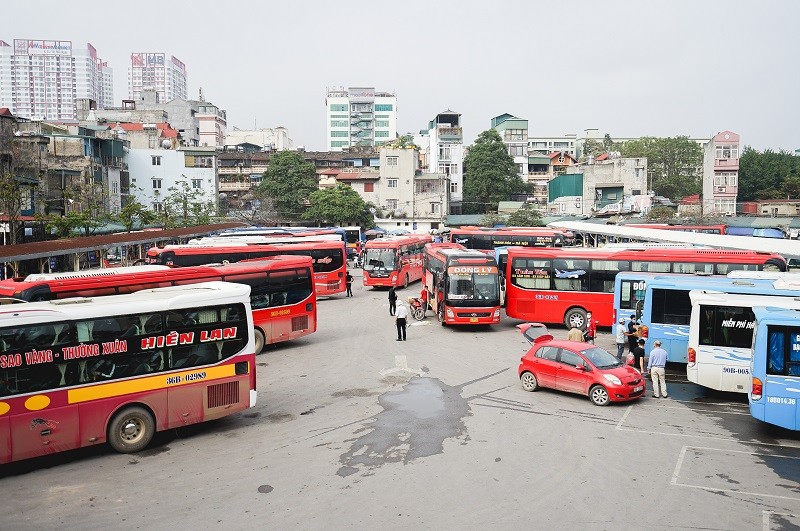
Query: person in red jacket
591	328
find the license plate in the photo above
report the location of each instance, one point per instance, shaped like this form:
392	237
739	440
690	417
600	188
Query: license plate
473	319
637	389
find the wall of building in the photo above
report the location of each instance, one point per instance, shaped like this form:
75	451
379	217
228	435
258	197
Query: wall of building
171	168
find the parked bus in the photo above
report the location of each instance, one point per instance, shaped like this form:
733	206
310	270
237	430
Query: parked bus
353	235
463	285
559	285
775	367
328	258
394	260
488	239
264	239
702	229
661	302
721	337
282	231
84	371
282	293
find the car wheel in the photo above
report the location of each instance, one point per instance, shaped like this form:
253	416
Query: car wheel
259	340
529	381
599	395
576	318
131	430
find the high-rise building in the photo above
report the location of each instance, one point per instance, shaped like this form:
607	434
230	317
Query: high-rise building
157	71
446	153
43	79
360	116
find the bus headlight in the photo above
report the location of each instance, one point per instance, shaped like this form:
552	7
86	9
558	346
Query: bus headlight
450	313
497	313
757	390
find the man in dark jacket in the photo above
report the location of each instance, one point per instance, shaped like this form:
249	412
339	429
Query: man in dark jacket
392	300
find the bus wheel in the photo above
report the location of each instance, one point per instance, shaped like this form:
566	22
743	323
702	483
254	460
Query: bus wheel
576	317
131	430
259	338
440	315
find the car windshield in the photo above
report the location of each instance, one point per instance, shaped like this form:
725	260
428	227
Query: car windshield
380	259
600	358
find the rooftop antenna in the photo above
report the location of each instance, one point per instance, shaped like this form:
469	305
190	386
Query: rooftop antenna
201	94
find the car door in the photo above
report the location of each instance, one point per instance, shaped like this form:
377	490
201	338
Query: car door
545	366
568	376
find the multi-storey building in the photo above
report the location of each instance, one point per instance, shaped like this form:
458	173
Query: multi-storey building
276	139
160	72
359	116
721	173
445	154
514	132
43	79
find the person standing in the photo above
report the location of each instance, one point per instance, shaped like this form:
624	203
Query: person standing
423	298
392	300
349	281
400	321
656	364
638	356
575	334
621	332
591	328
633	337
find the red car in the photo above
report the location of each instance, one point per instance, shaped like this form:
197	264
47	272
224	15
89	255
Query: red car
576	367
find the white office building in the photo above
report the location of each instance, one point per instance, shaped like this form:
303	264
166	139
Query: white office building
43	79
163	73
359	116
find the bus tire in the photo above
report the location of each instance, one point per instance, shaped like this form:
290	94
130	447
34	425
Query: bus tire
440	315
575	317
131	430
260	340
599	395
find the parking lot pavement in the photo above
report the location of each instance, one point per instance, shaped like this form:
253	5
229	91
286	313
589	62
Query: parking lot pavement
353	430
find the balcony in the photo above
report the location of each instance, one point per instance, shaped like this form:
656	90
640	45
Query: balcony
234	186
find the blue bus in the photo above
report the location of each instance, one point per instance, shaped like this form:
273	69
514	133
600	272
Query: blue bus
661	302
775	367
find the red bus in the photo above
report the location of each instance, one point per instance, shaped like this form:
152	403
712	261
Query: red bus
328	258
79	372
561	285
487	239
282	293
463	285
394	260
702	229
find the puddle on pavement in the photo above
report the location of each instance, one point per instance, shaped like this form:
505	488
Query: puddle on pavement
414	423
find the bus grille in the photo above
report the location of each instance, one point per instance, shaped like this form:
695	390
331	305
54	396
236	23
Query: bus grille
473	314
299	323
223	394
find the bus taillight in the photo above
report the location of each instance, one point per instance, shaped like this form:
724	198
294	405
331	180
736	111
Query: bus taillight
691	355
757	390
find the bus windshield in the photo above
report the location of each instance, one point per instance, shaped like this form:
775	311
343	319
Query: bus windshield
472	286
380	259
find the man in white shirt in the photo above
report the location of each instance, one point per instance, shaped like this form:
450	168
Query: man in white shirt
621	332
400	316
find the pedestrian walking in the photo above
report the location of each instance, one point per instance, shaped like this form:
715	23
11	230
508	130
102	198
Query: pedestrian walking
656	364
638	355
621	331
400	319
575	334
348	279
392	300
591	328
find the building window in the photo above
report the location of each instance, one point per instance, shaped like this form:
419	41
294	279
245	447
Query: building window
382	134
158	207
338	107
339	123
156	160
339	143
436	208
444	153
383	107
448	169
724	206
453	187
369	187
156	184
381	123
727	151
340	134
197	183
516	150
725	178
391	204
391	183
516	134
391	161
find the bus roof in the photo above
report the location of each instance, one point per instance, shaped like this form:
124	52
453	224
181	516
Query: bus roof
714	283
393	241
262	239
92	273
234	247
622	254
742	299
777	314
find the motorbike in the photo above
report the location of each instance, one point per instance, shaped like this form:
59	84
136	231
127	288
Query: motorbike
418	308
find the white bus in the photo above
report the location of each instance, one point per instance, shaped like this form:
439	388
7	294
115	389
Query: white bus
721	329
82	371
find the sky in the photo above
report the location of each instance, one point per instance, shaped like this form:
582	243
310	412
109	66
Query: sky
629	68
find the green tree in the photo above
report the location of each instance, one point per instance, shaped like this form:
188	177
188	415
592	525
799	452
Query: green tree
185	206
289	181
402	142
591	148
767	175
492	219
340	205
674	164
12	199
135	215
660	213
608	144
491	174
527	216
88	200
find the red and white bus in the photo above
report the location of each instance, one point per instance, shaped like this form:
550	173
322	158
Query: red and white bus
487	239
394	260
328	258
701	229
463	285
79	372
282	294
561	285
